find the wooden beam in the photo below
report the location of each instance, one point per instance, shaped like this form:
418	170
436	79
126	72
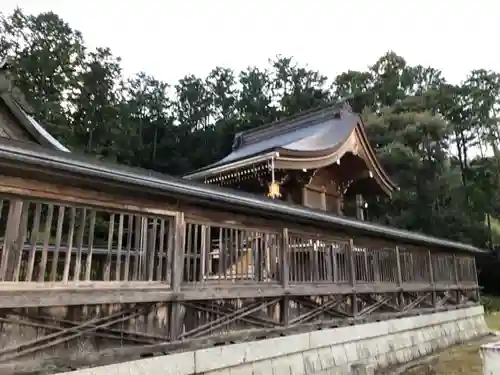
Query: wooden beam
20	295
39	190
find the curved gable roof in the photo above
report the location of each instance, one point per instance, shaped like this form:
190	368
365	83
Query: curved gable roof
312	139
311	133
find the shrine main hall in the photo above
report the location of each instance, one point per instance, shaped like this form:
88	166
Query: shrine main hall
320	159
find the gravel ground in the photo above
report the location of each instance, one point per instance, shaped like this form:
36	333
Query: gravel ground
461	359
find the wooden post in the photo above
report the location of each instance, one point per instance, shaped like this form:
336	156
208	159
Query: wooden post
178	233
209	250
456	280
359	207
11	251
285	276
304	197
339	203
20	240
476	284
328	257
352	277
144	248
475	270
323	200
399	279
431	278
455	270
367	269
204	246
151	253
170	250
255	258
399	273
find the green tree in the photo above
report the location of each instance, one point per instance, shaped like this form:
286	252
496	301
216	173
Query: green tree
94	101
297	88
47	57
149	122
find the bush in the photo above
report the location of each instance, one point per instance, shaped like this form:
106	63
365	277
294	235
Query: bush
491	304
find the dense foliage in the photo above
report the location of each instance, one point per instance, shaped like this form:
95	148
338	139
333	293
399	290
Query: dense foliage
438	141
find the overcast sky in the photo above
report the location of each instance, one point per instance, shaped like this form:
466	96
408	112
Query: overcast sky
170	38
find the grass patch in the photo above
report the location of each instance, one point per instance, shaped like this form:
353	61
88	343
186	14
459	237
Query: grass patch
491	304
495	229
493	321
461	359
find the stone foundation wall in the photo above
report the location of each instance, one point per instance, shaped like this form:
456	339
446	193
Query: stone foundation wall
332	351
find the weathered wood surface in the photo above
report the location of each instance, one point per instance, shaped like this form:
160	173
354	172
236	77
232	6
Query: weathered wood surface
89	278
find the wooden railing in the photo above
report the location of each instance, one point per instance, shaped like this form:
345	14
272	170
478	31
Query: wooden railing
127	273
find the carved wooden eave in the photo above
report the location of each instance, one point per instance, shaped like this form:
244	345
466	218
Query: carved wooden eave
309	141
24	127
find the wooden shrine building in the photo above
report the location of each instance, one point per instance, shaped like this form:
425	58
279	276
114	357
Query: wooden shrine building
320	159
101	263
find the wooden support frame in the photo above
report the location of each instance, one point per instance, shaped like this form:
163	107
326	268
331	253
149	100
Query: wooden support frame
172	277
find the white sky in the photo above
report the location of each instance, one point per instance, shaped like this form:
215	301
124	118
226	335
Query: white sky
171	38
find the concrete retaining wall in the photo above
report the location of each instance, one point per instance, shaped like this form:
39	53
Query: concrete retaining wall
332	351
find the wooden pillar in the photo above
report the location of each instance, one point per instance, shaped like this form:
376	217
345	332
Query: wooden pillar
170	250
143	249
352	277
304	197
323	200
477	291
399	279
340	204
285	301
367	269
456	279
431	279
178	240
204	249
360	215
150	250
328	258
455	270
14	236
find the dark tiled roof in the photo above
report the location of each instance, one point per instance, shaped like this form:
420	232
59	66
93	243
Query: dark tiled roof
308	132
306	138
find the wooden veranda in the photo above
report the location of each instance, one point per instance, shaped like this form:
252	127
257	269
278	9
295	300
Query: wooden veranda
102	263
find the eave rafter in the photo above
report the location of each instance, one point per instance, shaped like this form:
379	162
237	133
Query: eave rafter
237	175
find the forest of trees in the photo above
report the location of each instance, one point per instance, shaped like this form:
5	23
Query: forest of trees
439	141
